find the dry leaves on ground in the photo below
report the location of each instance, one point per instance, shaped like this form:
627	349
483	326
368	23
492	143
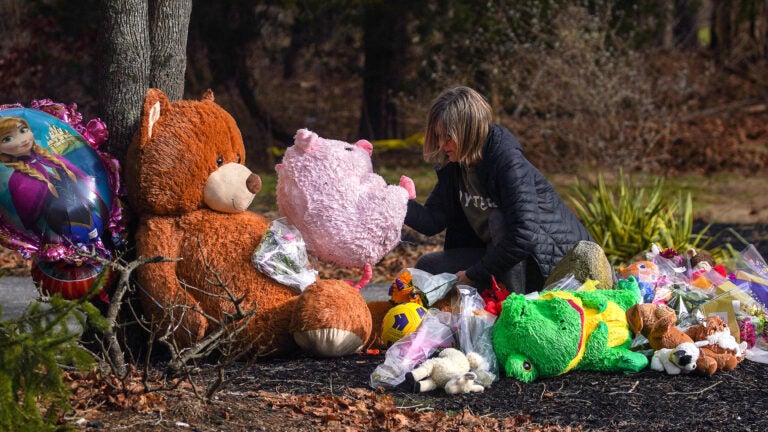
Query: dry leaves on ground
354	409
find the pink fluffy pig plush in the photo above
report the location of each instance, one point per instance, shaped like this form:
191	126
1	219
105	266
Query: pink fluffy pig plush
347	214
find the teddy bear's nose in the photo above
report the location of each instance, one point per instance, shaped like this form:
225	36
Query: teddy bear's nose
253	183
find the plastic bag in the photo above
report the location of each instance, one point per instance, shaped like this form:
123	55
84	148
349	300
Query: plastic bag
751	261
727	303
566	283
434	287
403	356
282	255
752	269
414	285
474	327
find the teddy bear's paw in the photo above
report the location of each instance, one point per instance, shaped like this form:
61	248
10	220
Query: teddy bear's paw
328	342
705	365
331	319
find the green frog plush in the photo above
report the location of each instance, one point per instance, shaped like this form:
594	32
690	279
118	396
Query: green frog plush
567	330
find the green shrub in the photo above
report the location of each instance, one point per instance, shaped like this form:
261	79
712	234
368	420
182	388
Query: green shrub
33	348
627	218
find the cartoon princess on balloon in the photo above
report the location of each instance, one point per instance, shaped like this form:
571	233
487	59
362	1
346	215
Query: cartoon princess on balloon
53	198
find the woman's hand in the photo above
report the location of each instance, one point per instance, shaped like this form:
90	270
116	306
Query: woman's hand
463	279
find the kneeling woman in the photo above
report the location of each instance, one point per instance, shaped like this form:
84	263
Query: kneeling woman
500	214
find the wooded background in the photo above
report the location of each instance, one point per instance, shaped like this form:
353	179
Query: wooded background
583	83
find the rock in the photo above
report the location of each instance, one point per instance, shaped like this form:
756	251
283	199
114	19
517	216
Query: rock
586	260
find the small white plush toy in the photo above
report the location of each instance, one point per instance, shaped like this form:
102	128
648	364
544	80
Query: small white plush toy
450	370
674	361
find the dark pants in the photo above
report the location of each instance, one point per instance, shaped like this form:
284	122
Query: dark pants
522	278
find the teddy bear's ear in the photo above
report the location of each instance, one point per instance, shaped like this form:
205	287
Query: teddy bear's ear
156	103
306	140
207	96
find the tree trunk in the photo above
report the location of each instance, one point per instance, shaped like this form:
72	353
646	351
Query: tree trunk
668	21
385	42
168	27
124	73
722	22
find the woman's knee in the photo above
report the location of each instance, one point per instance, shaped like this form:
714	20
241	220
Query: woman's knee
449	261
429	262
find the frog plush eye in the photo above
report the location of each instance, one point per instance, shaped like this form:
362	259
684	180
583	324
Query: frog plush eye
521	368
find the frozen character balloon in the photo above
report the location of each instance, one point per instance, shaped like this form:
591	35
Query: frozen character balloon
58	194
53	198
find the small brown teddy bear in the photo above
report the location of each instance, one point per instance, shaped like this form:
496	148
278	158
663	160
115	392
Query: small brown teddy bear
722	346
657	323
188	184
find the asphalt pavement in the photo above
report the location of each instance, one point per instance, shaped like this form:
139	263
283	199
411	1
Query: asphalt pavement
17	292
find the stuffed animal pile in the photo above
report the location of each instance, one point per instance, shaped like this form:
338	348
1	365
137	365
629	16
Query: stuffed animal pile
657	323
347	214
189	186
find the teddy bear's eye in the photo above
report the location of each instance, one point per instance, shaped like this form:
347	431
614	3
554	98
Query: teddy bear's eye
219	161
348	148
527	366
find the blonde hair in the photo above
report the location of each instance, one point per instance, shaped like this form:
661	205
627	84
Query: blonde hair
463	115
8	124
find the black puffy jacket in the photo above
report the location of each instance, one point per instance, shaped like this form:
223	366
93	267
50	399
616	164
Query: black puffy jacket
538	223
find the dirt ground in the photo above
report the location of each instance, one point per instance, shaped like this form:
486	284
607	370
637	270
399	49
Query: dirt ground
302	394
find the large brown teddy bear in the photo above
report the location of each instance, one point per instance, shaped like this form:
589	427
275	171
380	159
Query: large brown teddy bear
187	183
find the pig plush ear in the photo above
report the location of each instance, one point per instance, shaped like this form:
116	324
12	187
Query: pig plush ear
156	104
306	140
365	145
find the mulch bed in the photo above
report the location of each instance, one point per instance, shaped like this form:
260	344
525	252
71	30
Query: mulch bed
649	400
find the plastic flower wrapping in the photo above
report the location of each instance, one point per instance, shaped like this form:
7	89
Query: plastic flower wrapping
282	255
59	194
418	286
